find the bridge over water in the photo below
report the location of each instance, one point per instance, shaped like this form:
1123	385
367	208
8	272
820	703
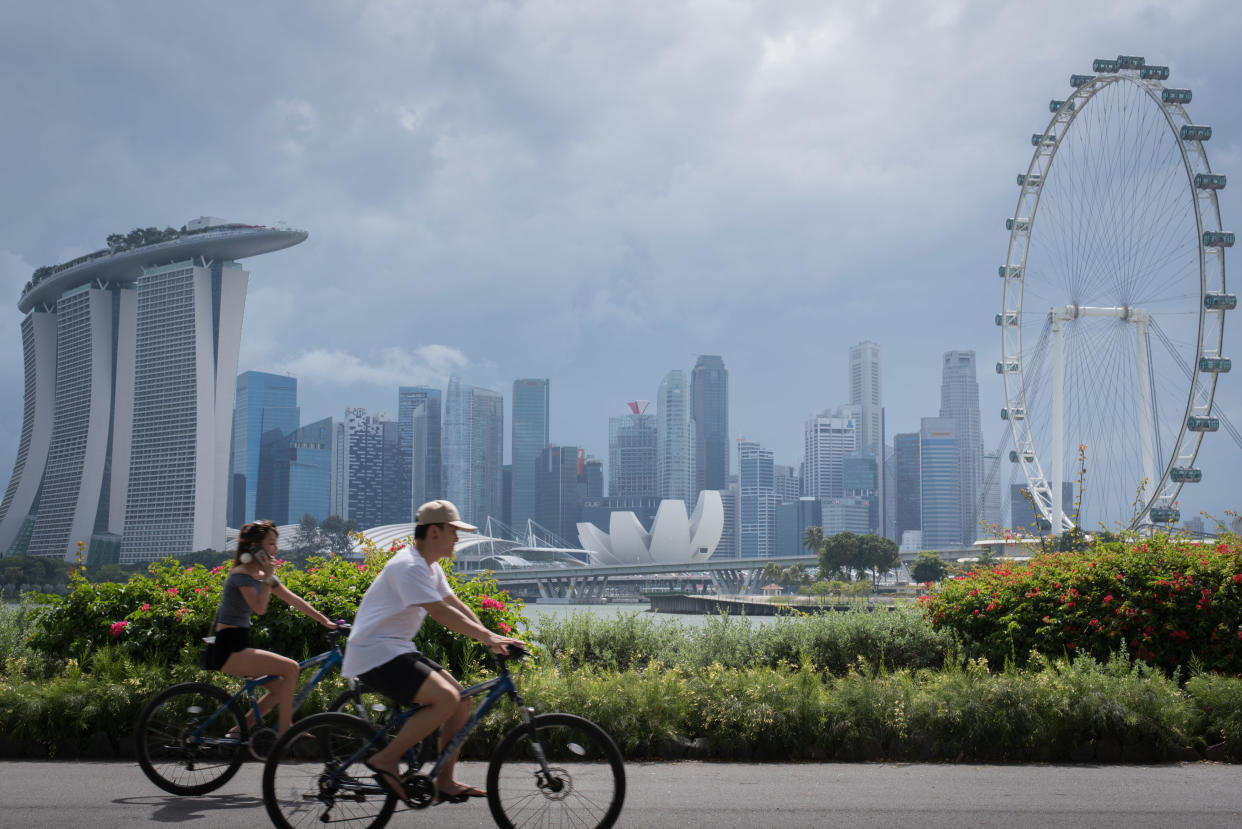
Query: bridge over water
587	583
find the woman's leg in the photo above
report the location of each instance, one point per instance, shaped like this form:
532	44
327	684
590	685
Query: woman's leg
252	662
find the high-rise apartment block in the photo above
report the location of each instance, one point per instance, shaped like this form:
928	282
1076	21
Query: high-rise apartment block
675	433
130	358
709	409
757	501
265	411
959	400
473	450
940	484
531	412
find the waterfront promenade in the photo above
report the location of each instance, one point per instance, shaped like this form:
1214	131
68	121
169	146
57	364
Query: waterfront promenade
115	795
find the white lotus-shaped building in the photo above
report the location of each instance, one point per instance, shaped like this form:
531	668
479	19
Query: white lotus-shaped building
673	539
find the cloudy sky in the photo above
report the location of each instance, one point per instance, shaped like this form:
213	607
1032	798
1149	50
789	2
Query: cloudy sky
589	192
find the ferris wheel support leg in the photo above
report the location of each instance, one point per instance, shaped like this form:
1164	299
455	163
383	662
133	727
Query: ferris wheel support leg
1146	438
1058	421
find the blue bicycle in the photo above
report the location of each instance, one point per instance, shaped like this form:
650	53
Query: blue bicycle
193	737
551	770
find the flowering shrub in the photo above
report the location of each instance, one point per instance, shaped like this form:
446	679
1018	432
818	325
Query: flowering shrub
1163	600
163	614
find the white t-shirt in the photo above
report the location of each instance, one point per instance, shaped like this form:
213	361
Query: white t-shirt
389	616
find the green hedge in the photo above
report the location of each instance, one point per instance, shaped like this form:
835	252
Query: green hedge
161	615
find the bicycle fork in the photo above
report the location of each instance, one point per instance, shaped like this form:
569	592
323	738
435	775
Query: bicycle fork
546	779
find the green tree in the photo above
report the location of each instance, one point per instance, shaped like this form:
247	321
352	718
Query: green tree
813	539
928	566
839	555
335	532
878	554
306	539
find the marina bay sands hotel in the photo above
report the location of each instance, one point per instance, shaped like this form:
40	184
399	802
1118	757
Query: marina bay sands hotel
131	366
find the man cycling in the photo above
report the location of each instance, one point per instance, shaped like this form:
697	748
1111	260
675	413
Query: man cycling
381	652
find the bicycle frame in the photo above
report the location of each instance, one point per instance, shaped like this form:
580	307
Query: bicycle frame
495	688
328	660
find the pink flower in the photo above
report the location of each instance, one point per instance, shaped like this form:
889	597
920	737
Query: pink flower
145	606
172	591
504	628
200	589
118	628
489	602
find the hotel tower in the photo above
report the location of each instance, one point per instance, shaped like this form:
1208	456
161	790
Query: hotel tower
131	364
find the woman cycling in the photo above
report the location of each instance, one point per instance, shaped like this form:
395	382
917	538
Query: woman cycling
251	583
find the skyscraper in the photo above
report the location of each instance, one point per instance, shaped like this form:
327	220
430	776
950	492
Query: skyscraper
866	394
473	451
364	439
757	500
310	471
829	437
264	403
675	459
940	484
908	483
561	486
531	410
632	450
959	399
709	409
131	360
418	418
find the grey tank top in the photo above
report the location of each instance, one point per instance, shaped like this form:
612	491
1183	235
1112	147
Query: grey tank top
233	608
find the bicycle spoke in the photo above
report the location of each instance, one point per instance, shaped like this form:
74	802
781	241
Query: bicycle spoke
582	784
315	775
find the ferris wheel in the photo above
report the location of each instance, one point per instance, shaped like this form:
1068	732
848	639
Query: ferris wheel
1114	302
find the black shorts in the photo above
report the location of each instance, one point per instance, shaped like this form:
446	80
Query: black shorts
400	677
228	642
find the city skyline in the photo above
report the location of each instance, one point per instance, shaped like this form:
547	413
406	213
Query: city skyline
687	193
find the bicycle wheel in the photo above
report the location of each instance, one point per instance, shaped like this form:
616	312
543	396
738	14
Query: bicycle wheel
182	742
315	775
584	786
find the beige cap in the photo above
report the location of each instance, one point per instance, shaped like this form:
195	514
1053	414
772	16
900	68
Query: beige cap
442	512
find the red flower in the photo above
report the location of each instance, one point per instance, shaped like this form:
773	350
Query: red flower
504	628
145	606
118	628
1108	598
172	591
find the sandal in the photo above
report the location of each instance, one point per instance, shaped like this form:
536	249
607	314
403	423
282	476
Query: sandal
461	795
385	778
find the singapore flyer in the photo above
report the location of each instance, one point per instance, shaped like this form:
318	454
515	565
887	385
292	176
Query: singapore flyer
1114	302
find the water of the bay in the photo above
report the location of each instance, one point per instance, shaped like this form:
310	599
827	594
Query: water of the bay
536	611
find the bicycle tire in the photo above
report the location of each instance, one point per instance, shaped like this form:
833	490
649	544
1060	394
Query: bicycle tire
169	751
587	786
299	787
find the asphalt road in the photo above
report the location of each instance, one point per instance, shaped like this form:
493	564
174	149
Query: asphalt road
115	795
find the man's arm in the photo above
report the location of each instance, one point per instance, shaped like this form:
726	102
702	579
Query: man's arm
466	623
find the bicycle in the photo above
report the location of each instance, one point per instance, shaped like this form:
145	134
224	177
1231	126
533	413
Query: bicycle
550	770
193	737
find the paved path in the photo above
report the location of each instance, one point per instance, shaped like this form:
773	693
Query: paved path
115	795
